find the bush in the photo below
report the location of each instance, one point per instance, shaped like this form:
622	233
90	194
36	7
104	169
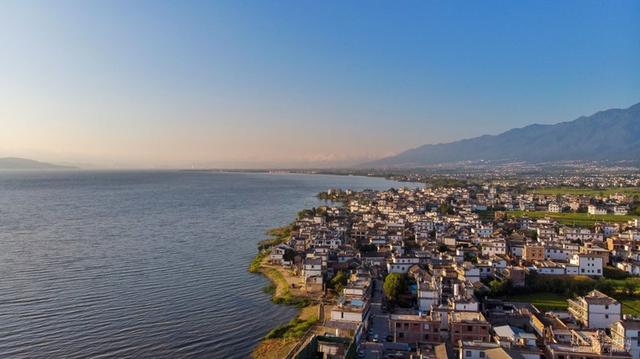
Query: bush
566	285
615	273
338	281
292	301
278	235
499	288
630	287
293	329
254	266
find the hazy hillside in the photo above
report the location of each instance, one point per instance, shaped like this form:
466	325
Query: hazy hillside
13	163
607	135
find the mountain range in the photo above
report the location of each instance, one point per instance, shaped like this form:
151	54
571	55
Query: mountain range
14	163
612	134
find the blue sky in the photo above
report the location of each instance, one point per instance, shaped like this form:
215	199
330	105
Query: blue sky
266	83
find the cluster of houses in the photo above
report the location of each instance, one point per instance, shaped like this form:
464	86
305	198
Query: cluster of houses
442	241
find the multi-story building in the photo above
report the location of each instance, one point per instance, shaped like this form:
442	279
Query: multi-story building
533	252
355	310
440	326
595	210
588	264
475	350
585	345
493	247
626	335
428	296
595	310
401	264
469	326
312	268
412	329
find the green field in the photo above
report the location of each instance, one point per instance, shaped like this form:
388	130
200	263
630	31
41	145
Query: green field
630	305
542	301
552	301
578	219
630	191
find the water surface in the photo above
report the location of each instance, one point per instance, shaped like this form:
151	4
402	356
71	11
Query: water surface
142	264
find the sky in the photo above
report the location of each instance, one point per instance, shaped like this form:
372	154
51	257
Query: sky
264	84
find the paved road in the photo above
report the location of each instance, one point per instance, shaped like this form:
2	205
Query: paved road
379	327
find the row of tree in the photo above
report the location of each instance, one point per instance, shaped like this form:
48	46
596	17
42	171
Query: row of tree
564	285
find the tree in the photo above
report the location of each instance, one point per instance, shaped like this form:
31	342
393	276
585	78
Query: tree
499	288
338	281
393	286
289	255
468	257
605	286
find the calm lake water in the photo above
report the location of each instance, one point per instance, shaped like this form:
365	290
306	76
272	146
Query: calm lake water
142	264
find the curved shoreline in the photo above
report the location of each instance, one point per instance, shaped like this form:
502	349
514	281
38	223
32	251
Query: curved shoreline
281	340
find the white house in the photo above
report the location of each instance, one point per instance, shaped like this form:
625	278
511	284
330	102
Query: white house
571	269
632	268
549	268
494	247
580	234
626	335
277	254
595	210
351	311
401	264
588	264
558	253
469	272
428	295
312	267
484	231
620	210
554	207
595	310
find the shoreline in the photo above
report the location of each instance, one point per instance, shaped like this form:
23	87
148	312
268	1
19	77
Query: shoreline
389	177
282	339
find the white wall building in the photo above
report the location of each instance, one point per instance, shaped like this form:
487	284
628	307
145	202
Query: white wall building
595	310
588	264
626	335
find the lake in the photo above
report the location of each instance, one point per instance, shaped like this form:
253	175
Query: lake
100	264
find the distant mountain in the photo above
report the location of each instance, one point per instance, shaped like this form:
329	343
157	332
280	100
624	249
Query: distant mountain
14	163
607	135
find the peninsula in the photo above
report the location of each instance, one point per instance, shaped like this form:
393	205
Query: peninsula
490	265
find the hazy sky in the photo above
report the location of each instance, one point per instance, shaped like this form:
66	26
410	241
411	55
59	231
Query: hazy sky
293	83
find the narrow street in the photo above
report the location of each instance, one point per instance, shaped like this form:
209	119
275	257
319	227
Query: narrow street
379	328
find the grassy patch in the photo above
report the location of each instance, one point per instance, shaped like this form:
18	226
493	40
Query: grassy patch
630	305
282	294
293	329
273	348
578	219
542	301
269	289
282	287
254	266
278	235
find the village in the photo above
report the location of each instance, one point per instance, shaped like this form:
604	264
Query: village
469	271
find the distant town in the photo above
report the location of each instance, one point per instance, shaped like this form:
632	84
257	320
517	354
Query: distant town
503	263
